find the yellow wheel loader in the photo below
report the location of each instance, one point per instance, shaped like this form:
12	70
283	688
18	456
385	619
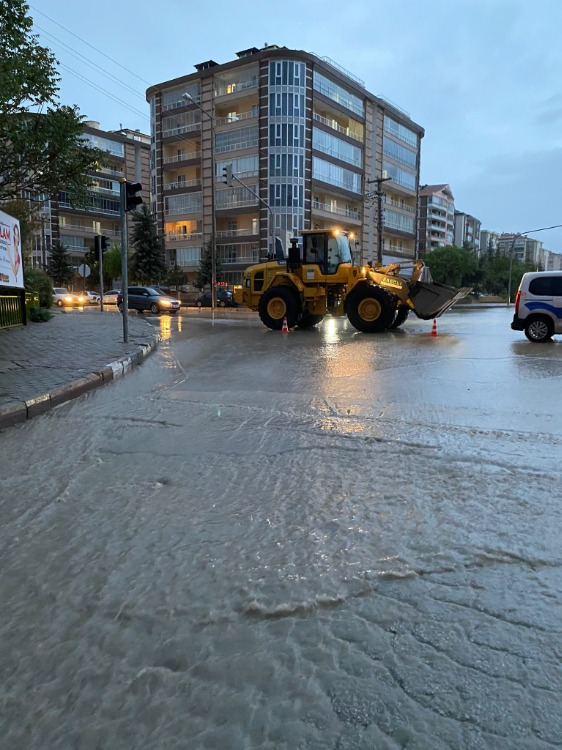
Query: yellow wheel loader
318	278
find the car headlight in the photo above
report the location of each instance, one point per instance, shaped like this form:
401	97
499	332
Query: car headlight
68	299
166	302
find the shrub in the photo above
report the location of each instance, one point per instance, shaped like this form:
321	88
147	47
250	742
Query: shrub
38	281
40	314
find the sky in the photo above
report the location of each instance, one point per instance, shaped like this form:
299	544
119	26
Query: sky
482	77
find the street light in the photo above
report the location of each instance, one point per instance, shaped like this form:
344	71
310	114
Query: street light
522	234
191	100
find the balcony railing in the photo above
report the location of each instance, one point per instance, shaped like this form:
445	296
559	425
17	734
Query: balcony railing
236	146
180	103
348	212
335	126
397	204
182	184
181	157
103	191
237	203
182	210
196	126
236	233
181	237
90	230
235	87
235	118
90	209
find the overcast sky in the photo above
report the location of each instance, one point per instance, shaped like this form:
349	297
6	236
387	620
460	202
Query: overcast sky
483	77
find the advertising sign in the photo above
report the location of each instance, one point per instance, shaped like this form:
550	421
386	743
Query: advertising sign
11	269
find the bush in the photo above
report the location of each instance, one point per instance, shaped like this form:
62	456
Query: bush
38	281
40	314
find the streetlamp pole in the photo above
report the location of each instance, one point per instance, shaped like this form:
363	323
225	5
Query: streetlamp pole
190	99
380	222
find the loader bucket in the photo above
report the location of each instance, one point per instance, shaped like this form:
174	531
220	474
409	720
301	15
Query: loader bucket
432	299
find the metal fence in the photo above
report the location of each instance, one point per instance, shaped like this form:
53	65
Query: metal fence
11	311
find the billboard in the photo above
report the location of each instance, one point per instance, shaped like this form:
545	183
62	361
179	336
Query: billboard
11	269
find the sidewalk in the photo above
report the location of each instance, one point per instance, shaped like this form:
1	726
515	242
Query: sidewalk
45	364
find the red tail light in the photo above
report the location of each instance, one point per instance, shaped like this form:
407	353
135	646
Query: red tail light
517	298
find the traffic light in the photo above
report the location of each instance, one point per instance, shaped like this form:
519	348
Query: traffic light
101	245
227	175
132	200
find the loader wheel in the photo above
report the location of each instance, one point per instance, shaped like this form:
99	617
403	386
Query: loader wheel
401	315
308	320
371	309
277	303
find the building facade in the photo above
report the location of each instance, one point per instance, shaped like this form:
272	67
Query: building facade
437	217
467	231
488	241
524	249
305	140
126	155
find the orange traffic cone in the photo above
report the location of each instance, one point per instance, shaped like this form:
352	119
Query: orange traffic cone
285	328
434	329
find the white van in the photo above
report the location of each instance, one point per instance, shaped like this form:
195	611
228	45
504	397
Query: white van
538	305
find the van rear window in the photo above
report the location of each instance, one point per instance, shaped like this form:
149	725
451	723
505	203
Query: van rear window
546	286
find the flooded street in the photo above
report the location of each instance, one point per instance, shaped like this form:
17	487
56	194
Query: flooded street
320	540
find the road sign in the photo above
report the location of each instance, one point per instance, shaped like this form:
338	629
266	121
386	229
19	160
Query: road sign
84	270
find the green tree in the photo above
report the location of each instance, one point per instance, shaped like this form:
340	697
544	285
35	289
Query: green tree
147	262
112	269
455	266
41	141
176	277
59	267
205	273
38	281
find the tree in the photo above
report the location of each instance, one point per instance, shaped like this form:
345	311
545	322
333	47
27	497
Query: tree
41	142
112	268
205	273
176	277
455	266
147	264
39	282
59	267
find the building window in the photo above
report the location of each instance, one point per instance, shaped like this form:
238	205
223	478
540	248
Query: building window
400	132
334	175
399	176
399	153
335	147
338	93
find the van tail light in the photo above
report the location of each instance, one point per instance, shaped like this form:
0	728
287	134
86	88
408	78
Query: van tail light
517	298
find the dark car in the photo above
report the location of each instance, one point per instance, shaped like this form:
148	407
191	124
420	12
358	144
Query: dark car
149	298
224	299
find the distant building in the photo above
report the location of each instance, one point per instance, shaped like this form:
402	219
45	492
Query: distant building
467	231
437	217
553	261
305	141
524	249
127	155
488	241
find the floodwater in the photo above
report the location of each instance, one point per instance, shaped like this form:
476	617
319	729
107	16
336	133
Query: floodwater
316	540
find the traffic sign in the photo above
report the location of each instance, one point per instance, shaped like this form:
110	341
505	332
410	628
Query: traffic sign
84	270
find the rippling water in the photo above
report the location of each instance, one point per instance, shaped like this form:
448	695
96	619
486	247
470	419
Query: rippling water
288	543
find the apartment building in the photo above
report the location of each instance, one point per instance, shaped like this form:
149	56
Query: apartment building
305	140
524	249
488	241
127	154
437	217
467	231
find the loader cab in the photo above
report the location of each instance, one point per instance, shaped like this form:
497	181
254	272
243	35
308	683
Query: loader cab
327	248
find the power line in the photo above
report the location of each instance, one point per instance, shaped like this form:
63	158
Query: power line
102	91
89	45
77	55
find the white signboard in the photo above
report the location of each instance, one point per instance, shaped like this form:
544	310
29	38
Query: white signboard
11	269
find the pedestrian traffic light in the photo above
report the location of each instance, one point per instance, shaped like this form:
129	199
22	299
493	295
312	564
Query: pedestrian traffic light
132	200
227	175
101	245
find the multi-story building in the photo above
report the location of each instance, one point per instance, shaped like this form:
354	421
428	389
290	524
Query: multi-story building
305	140
553	261
127	154
467	231
524	249
488	241
437	217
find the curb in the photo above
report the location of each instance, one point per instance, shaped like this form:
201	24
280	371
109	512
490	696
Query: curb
24	410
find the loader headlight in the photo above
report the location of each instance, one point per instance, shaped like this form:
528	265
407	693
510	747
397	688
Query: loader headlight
363	271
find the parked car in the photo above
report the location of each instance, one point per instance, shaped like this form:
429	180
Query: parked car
93	298
143	298
110	298
63	298
538	305
224	299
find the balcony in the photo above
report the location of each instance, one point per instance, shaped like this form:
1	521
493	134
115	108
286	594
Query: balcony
182	237
236	146
235	118
335	126
182	184
235	87
225	233
236	203
89	230
180	103
181	157
181	129
397	204
347	212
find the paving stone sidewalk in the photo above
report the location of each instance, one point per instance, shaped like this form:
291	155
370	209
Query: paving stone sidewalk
44	364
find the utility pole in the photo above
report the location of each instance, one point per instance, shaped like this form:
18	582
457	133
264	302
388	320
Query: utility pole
379	194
